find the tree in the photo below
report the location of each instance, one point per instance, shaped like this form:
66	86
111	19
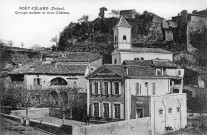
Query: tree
10	43
84	18
115	13
66	104
102	12
23	97
55	40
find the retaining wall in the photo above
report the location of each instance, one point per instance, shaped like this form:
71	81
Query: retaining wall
32	113
131	127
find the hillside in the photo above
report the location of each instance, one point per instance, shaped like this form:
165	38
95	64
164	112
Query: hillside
97	35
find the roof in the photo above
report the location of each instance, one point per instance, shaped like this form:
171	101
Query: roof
130	71
146	50
123	23
152	63
75	56
50	69
198	69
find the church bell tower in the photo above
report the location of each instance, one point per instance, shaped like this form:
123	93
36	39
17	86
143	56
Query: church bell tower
122	34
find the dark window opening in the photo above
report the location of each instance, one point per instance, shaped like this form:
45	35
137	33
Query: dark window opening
106	86
58	81
116	87
96	109
124	37
117	111
96	87
115	61
106	110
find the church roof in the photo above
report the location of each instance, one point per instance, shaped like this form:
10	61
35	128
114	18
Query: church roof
145	50
123	23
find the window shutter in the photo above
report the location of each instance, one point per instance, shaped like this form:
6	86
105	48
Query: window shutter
99	87
113	111
103	88
137	88
93	88
110	110
99	105
119	88
92	110
40	81
109	88
153	88
113	88
102	110
122	111
35	81
140	92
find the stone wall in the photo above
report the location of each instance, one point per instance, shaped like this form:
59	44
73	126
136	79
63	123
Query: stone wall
32	113
131	127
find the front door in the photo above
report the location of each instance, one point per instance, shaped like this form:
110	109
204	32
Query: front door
139	113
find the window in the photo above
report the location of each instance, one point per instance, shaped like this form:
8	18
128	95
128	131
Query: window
160	111
179	72
124	37
106	87
117	111
115	61
164	71
141	58
96	87
115	39
106	110
178	109
153	88
116	87
58	81
137	88
38	81
96	109
159	72
170	110
136	58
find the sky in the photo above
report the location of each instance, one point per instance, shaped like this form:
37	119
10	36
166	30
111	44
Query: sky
31	29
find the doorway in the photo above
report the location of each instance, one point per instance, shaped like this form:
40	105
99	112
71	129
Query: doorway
139	113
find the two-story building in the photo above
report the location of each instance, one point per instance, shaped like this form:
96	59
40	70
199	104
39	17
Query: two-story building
140	82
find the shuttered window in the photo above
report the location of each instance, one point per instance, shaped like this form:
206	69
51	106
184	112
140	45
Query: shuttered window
153	88
38	81
117	111
96	109
106	110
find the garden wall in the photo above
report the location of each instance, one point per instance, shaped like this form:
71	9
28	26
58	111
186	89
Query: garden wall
131	127
32	113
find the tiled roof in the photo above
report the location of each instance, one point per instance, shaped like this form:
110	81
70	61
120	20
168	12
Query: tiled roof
146	50
50	69
198	69
77	57
123	23
133	71
152	63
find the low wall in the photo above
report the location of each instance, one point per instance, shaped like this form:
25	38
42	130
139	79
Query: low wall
32	113
131	127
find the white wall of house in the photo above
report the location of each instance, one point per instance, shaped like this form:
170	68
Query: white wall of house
175	72
132	55
176	119
161	86
46	82
201	82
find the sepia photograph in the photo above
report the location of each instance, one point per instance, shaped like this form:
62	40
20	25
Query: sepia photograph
103	67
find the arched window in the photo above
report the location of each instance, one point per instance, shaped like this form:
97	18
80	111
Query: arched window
124	37
142	58
58	81
54	97
115	61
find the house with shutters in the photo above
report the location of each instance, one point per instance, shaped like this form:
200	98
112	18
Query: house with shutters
140	82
